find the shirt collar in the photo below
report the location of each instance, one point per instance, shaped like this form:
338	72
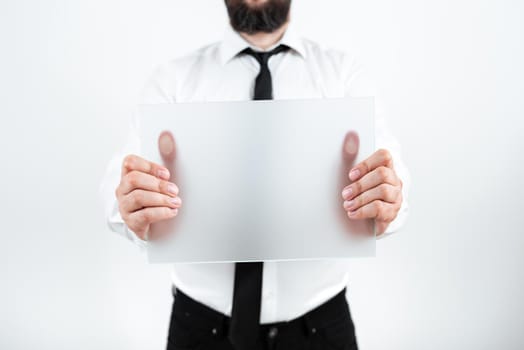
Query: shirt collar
233	43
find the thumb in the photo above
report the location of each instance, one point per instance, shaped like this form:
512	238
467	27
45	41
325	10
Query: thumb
351	146
166	146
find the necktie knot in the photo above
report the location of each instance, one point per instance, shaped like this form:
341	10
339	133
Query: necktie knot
263	56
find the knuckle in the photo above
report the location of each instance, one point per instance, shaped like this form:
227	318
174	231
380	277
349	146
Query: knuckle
137	198
139	222
132	178
123	204
128	179
393	193
365	167
384	154
145	217
358	187
357	202
126	217
162	186
129	161
385	191
383	172
382	214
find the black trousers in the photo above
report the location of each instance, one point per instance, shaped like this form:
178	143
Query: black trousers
194	326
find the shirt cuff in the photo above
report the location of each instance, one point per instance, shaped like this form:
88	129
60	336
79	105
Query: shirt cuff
142	244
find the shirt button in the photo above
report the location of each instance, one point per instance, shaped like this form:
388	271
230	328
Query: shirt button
273	331
313	330
214	331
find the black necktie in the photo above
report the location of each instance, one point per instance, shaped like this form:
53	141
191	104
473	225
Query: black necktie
263	84
245	314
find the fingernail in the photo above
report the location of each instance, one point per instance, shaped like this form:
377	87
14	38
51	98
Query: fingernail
347	192
171	188
163	173
348	204
352	213
174	211
354	174
176	201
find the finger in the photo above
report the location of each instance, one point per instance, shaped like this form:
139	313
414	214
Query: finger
376	177
377	209
166	146
135	163
381	157
150	215
138	199
384	192
138	180
351	146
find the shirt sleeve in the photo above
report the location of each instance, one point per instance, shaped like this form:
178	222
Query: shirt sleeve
154	91
359	83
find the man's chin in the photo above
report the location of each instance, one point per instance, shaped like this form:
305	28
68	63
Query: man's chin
252	16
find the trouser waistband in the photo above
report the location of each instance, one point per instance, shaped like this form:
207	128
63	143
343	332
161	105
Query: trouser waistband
336	308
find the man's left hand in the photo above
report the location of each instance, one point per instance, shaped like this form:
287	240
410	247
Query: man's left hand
375	192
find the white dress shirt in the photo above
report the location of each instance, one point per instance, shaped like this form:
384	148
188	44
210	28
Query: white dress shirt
215	73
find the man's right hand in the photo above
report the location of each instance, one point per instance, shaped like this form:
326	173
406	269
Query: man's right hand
145	195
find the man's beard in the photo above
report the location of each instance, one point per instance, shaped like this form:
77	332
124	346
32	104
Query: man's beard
266	17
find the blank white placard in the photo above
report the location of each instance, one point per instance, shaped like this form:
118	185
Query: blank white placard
260	180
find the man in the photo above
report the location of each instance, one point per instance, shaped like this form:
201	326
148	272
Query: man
300	304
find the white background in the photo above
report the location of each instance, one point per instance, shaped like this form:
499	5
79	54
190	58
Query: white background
452	75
